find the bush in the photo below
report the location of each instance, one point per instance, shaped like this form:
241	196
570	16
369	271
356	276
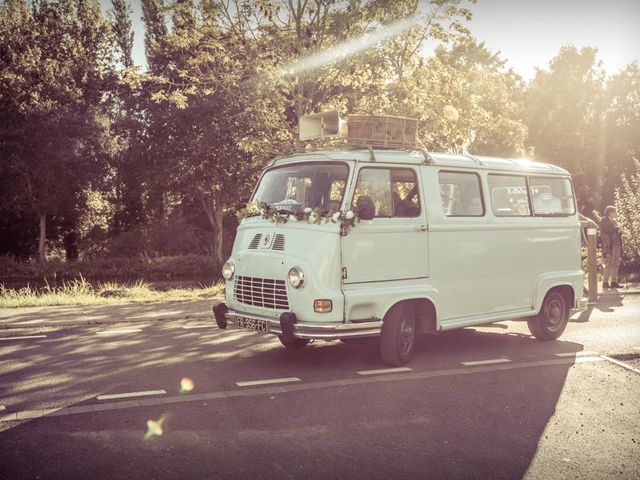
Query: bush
191	267
627	202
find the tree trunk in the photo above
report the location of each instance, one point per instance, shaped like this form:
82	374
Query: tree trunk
218	237
213	209
42	255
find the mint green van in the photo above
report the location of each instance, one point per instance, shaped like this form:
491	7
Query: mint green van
392	242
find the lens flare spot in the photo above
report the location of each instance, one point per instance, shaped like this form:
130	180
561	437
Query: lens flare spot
186	385
154	428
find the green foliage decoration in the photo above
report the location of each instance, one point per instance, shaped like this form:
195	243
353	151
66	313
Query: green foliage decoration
314	216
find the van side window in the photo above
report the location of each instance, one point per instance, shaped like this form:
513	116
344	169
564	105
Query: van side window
509	196
552	196
389	192
460	194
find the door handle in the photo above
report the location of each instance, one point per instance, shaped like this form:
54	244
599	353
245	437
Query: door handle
422	228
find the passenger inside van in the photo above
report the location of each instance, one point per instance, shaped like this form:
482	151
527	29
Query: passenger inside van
365	207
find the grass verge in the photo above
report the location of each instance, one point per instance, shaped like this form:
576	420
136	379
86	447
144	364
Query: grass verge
80	292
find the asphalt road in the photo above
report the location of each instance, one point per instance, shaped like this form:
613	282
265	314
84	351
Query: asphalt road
488	402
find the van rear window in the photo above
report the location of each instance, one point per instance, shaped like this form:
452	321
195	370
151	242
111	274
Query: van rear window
509	196
552	196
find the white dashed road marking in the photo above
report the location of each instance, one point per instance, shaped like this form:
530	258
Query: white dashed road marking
620	364
596	358
385	370
585	353
268	382
24	338
118	331
310	386
486	362
131	394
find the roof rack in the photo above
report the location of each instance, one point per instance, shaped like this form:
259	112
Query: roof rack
362	131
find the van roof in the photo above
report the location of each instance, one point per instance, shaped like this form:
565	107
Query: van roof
475	162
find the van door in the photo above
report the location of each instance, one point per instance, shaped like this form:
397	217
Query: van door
393	243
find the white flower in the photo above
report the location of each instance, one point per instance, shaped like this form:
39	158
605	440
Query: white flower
312	218
292	218
336	216
349	215
263	211
308	210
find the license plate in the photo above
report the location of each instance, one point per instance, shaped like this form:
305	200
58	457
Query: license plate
251	324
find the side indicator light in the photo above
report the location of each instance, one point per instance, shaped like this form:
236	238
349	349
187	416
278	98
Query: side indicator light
322	306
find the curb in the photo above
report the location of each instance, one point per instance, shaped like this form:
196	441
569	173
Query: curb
618	293
82	323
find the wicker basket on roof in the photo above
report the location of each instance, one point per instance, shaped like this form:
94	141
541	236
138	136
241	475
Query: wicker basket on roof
382	131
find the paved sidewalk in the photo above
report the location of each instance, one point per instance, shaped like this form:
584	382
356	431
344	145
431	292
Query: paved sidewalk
195	310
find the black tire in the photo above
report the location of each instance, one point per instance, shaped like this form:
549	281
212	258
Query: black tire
294	343
552	319
398	336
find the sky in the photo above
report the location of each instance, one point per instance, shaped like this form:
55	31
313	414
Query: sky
528	33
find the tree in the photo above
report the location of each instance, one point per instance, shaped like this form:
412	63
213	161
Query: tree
565	120
53	67
233	82
205	142
122	31
622	127
495	97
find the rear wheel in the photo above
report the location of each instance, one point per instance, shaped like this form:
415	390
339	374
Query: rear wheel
552	319
294	343
398	336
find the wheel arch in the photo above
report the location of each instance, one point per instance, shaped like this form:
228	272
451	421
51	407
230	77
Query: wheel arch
424	310
569	283
567	292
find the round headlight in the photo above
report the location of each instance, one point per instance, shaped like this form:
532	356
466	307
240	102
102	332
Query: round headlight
228	269
296	277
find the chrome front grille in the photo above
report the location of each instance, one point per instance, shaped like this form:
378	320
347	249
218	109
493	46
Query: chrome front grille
261	292
255	241
278	242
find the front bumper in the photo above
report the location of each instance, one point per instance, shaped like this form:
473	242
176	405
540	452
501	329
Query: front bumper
288	325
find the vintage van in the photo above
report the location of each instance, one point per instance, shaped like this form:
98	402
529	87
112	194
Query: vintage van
353	243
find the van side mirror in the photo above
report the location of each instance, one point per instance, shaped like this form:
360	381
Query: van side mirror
365	208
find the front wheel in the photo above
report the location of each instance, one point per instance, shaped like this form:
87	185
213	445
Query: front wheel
398	336
294	343
552	319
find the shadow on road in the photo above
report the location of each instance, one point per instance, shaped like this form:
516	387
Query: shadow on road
458	425
107	313
607	303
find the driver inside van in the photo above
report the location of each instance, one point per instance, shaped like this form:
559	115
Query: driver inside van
375	184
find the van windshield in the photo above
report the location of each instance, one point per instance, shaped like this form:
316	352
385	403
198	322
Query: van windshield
292	188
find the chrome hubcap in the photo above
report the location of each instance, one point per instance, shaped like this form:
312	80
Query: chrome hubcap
406	336
554	312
